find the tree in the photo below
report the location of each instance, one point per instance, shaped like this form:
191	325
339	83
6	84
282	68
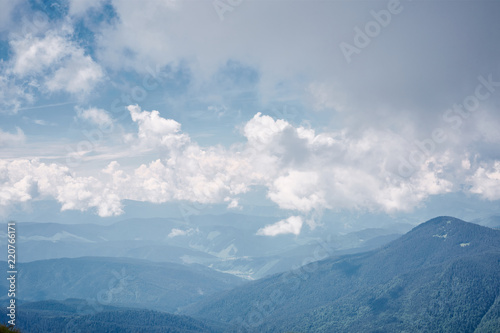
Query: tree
9	329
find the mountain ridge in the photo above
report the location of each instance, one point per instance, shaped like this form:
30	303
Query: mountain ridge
119	281
441	269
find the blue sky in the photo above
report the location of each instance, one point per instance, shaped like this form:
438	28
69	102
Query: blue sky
307	107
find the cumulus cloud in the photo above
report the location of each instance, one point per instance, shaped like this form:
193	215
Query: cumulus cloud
33	55
298	190
78	75
186	172
95	116
24	180
486	181
155	131
52	62
233	203
304	172
291	225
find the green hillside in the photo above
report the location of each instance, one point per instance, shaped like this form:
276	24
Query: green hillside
73	315
443	276
119	281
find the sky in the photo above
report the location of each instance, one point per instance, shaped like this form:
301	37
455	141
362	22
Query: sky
117	108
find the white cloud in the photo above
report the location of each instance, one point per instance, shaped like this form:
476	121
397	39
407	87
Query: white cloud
261	131
165	47
298	191
291	225
304	172
33	55
54	60
8	139
133	42
94	115
156	131
179	232
233	203
486	181
78	75
42	122
308	63
466	163
24	180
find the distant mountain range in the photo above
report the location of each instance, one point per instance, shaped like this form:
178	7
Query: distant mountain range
492	221
227	243
118	281
443	276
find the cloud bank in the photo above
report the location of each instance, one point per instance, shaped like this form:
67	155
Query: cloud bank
304	172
